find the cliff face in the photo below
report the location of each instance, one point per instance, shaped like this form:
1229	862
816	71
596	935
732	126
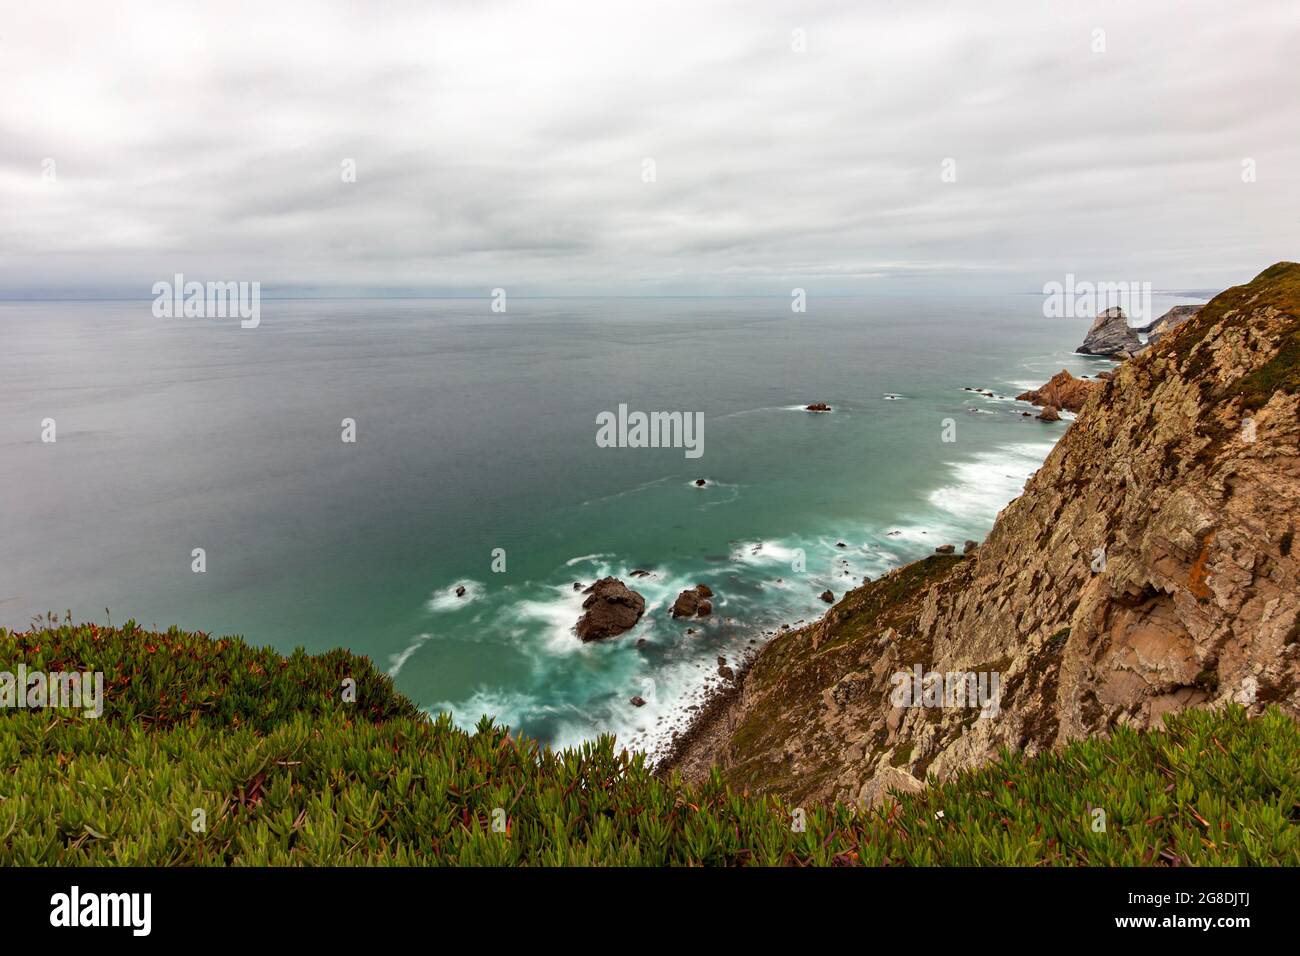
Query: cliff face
1148	567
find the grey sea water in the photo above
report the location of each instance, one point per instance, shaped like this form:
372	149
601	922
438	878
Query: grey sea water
476	432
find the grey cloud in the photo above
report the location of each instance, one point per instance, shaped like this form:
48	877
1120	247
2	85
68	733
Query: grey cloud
501	143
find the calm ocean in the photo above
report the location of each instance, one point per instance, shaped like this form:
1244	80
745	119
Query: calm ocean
476	431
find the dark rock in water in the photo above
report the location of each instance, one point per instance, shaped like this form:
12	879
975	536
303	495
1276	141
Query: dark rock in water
945	549
840	544
1049	414
641	642
818	407
638	701
577	585
725	672
700	482
1110	333
638	573
460	590
969	546
690	630
612	608
1024	414
722	660
828	596
692	602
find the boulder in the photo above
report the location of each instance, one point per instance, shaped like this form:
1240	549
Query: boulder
611	608
693	602
1109	334
1049	414
818	407
969	546
828	596
638	701
945	549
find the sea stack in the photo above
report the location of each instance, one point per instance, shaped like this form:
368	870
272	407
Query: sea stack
611	608
1110	334
693	602
1062	390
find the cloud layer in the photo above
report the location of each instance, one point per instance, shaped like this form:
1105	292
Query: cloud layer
506	144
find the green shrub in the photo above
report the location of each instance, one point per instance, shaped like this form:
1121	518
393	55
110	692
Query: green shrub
304	779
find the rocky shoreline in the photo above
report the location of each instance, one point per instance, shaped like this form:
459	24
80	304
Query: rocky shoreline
1146	569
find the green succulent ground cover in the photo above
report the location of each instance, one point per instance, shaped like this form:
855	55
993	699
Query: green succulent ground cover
279	768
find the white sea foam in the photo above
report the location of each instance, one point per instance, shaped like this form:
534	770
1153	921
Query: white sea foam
983	485
447	600
398	660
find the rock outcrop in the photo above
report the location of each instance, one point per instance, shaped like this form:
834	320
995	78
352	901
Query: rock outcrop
611	608
818	407
1110	334
1169	321
693	602
1062	390
1148	567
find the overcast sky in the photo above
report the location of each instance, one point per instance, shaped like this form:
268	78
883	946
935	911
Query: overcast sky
504	144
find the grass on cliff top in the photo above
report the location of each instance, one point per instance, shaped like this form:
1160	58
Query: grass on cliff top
1277	288
265	754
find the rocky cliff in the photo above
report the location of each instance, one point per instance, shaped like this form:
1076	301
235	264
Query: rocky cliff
1148	567
1110	334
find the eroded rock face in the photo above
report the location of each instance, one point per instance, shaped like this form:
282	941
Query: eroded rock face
1148	567
611	608
1170	321
1062	390
1110	334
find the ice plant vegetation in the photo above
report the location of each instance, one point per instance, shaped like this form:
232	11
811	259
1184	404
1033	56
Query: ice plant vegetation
212	752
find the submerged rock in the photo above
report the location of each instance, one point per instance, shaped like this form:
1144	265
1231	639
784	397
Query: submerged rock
818	407
612	608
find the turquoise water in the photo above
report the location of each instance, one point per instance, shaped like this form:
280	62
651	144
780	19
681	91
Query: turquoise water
475	432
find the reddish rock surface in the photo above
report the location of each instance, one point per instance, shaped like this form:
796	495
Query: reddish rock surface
1062	390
